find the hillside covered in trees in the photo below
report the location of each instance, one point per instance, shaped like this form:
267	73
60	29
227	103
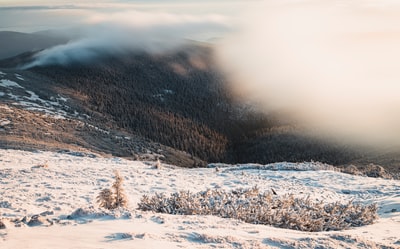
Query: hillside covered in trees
181	100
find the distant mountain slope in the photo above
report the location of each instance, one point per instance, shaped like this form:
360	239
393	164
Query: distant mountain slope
14	43
176	105
177	99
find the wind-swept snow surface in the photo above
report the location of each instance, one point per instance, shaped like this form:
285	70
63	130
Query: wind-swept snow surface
56	193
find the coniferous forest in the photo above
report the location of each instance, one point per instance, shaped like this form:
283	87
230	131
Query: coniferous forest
180	99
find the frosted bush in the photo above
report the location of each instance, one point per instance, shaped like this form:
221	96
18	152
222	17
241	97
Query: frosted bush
249	205
370	170
92	212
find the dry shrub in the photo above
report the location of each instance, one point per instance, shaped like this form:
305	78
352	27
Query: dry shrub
251	206
106	199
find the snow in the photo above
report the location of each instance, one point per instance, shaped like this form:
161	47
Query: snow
60	183
118	137
5	107
9	83
98	129
167	91
4	122
33	97
19	77
55	108
59	98
161	96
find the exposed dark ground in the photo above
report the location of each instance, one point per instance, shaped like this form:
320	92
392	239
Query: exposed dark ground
175	107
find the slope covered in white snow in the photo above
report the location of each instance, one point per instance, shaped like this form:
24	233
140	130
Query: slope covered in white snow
62	187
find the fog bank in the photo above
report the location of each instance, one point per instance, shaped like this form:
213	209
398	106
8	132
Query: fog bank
331	66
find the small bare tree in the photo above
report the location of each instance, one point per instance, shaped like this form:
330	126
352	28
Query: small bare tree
119	194
115	197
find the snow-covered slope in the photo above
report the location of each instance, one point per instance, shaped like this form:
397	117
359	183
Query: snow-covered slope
62	187
19	95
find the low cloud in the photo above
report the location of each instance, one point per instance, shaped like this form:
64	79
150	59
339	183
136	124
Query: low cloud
331	66
116	32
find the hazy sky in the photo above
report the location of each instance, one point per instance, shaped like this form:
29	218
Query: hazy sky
35	15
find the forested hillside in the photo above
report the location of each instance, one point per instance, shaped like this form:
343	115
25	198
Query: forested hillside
181	100
164	98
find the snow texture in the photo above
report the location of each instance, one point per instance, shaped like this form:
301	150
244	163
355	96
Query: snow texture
8	83
56	107
19	77
48	200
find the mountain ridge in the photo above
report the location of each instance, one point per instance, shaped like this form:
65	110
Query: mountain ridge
15	43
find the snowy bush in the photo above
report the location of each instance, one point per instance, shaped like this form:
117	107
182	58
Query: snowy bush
115	197
370	170
286	211
92	212
373	170
352	170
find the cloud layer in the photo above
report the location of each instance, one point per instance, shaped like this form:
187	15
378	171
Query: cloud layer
110	33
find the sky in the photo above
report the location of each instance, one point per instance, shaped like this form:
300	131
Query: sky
36	15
